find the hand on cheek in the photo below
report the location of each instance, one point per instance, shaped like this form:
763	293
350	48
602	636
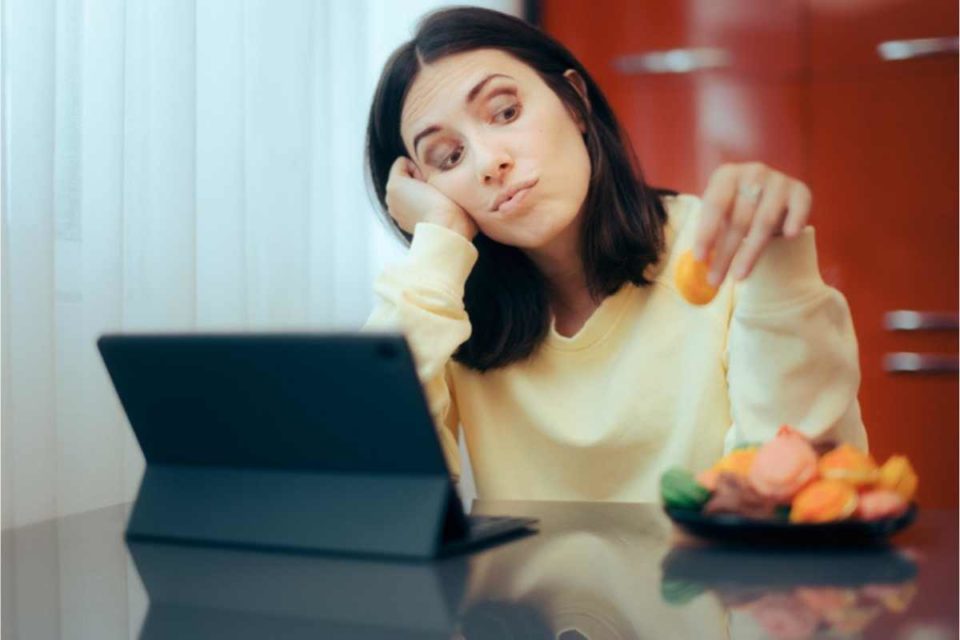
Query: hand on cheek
411	200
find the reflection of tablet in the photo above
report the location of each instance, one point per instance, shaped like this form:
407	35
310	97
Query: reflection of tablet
210	593
305	441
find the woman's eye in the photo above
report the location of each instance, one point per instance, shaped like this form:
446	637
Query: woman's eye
451	159
510	113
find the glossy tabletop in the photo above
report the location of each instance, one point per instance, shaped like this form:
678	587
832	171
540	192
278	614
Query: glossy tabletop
594	570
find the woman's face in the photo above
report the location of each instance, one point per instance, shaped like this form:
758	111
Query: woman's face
475	145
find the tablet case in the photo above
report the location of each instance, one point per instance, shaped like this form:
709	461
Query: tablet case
242	448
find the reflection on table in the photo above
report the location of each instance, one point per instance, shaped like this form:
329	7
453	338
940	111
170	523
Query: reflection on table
595	570
790	593
211	592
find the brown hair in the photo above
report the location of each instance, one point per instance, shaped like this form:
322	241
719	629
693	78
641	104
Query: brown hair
506	295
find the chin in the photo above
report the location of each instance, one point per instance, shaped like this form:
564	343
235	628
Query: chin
534	232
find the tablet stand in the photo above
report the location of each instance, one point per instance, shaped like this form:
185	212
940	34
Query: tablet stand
389	515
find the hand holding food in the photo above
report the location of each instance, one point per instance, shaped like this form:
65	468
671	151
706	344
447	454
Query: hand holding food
745	206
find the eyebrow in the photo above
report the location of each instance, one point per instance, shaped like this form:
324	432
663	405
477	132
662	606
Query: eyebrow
471	96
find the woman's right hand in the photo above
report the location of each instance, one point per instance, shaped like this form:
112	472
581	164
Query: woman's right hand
410	199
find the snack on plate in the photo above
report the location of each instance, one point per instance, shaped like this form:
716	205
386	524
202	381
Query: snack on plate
734	494
898	475
680	490
824	501
790	477
881	503
784	465
737	462
691	279
849	464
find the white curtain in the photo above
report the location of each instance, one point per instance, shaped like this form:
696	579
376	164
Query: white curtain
172	165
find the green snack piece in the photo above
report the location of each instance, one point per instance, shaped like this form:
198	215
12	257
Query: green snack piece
748	445
680	490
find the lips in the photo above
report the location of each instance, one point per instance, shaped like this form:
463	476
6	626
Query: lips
512	191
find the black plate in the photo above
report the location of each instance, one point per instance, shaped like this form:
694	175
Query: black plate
739	530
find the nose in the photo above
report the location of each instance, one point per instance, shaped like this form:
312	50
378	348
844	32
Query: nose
493	166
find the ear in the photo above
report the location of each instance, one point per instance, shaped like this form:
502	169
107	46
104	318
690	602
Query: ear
574	78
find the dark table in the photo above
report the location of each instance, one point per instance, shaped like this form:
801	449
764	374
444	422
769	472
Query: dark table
595	570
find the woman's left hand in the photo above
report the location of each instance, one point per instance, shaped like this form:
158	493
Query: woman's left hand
743	207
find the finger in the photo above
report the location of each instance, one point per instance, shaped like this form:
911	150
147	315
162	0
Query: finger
766	223
717	200
799	205
741	220
414	171
399	169
410	170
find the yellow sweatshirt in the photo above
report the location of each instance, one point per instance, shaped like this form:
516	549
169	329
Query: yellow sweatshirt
649	382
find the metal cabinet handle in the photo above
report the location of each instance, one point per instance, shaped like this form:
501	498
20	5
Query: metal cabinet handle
672	61
920	363
904	320
919	48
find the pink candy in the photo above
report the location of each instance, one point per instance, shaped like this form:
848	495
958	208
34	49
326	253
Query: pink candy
784	465
880	503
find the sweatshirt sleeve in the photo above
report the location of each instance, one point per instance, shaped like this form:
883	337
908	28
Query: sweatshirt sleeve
792	354
423	297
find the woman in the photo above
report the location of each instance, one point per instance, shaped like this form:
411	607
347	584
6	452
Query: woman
538	295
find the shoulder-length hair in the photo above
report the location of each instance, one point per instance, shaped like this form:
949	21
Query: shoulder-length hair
506	295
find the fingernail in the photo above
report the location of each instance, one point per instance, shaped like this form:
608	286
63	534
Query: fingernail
714	278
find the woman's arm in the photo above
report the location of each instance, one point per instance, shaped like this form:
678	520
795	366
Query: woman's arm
791	351
423	297
792	354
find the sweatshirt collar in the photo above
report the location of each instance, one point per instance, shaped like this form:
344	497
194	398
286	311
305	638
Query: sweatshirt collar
598	325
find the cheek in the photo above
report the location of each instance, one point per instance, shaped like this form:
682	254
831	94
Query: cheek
569	144
569	163
580	168
457	186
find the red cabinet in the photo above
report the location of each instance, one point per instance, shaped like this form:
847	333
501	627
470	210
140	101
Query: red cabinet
692	125
844	35
742	100
822	90
884	178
